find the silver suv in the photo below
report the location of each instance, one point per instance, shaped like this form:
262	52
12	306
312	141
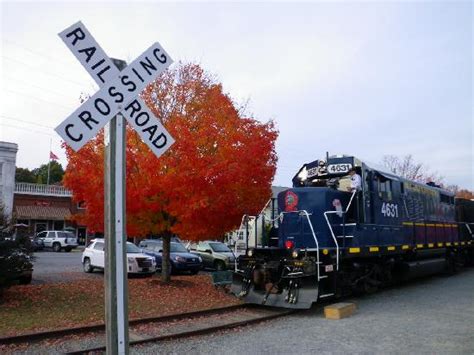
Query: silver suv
215	255
58	240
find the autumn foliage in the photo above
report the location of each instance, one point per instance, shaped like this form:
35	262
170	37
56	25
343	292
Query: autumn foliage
220	167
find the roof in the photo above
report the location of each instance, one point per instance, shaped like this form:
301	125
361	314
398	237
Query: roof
42	212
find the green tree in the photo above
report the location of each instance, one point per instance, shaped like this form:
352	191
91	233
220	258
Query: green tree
15	261
24	175
55	174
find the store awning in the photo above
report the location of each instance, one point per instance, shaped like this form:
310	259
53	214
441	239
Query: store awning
42	212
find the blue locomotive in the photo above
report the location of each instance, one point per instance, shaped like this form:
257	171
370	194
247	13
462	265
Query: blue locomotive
338	235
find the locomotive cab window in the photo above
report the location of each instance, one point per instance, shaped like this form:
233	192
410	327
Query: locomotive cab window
384	186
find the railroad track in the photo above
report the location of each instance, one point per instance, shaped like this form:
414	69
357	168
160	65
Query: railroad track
82	340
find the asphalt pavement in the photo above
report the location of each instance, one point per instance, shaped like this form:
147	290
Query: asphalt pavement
51	267
59	267
429	316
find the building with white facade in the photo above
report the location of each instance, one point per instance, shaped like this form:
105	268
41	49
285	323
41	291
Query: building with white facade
7	176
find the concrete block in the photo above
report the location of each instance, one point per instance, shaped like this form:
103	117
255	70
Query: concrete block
339	310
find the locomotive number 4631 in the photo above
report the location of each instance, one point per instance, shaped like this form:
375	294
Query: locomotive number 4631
339	168
390	210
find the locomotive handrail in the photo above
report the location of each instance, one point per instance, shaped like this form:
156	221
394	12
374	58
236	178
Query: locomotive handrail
333	236
469	228
314	236
245	217
350	201
330	226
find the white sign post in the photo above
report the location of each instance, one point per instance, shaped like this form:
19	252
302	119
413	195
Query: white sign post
120	86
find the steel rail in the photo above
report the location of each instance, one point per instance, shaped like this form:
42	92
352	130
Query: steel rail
36	336
194	332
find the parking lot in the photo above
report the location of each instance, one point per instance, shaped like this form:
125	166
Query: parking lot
61	267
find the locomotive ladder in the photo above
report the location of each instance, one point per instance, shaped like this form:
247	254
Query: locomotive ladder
330	226
469	229
305	213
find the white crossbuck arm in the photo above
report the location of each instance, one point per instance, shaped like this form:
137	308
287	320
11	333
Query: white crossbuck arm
119	91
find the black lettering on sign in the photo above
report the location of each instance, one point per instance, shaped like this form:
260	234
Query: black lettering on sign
75	139
139	77
113	93
135	106
103	108
144	121
78	34
97	64
89	52
148	65
162	58
126	82
163	138
86	117
151	130
99	74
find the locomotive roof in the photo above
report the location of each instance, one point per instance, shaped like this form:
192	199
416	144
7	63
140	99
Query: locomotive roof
392	176
379	170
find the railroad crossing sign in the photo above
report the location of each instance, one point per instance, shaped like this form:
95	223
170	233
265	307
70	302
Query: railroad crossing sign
118	92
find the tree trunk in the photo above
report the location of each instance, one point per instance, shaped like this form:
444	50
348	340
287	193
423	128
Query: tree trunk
165	261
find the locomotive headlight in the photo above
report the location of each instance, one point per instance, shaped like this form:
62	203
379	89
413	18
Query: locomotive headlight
250	253
295	254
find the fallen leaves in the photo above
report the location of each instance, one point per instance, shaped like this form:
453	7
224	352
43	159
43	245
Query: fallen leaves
81	302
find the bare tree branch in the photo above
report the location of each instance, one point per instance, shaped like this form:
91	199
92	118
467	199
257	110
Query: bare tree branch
408	168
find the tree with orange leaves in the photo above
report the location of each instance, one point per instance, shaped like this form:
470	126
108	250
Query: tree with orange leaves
220	167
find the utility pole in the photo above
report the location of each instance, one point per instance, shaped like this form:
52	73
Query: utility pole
116	284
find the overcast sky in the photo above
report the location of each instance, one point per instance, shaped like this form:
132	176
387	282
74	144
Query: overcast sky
361	78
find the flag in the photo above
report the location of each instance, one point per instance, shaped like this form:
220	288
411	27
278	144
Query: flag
53	156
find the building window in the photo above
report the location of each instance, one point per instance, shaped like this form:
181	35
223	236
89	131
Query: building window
58	225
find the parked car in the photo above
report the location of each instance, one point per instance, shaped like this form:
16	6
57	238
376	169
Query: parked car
215	255
181	259
58	240
137	263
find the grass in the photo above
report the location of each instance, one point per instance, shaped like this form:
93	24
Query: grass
59	305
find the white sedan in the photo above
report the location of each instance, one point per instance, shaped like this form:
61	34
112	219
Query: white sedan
137	262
